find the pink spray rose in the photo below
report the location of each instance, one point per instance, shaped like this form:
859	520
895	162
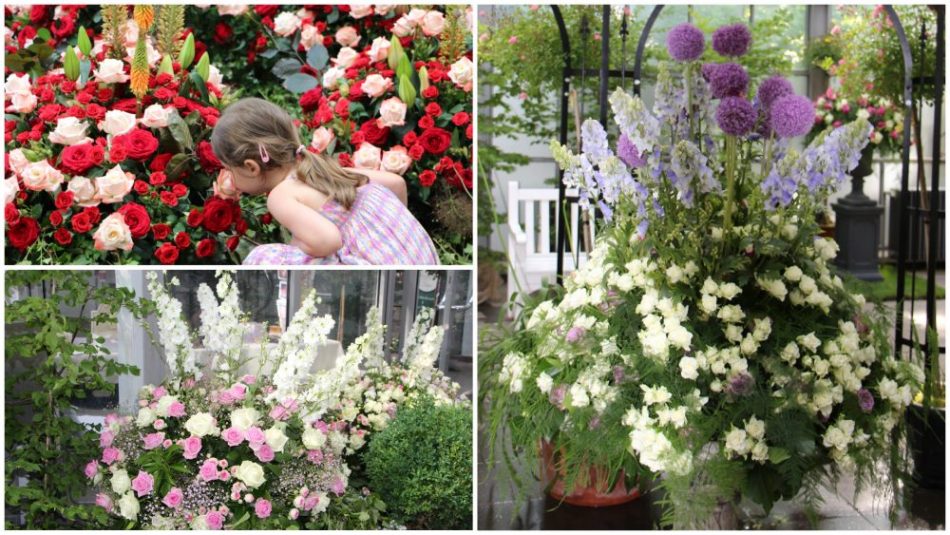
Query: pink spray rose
262	508
209	470
143	483
92	468
159	393
265	454
238	391
104	501
215	520
233	436
192	446
174	498
111	455
176	409
106	438
255	437
153	440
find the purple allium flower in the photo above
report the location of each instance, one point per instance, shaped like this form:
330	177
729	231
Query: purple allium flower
735	116
792	116
707	69
685	42
629	153
740	385
865	400
732	40
728	80
773	88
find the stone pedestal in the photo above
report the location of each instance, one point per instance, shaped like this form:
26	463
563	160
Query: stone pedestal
858	224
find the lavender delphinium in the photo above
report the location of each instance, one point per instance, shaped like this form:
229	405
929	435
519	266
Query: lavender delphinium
685	42
732	40
728	80
628	153
792	116
735	116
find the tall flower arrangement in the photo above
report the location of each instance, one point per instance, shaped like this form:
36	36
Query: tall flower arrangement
707	344
230	446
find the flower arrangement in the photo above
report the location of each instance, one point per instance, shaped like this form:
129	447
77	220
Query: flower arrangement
223	445
108	160
832	110
707	345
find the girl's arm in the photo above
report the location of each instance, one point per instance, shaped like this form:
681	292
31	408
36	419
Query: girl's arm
314	234
391	181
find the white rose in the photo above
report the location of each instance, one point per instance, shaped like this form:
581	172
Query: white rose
376	85
18	84
433	23
113	234
70	131
755	428
379	49
146	417
674	274
396	160
276	439
22	102
164	404
286	24
310	36
579	396
345	57
358	11
117	122
232	9
121	481
461	73
112	71
760	452
737	441
313	439
708	303
18	161
331	76
545	382
347	36
128	506
321	138
10	189
83	190
39	176
251	474
392	112
729	291
403	27
689	368
367	157
156	116
415	16
215	78
114	185
244	419
201	424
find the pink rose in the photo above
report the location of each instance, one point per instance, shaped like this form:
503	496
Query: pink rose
224	475
92	469
347	36
432	23
209	470
315	456
153	440
225	398
174	498
358	11
321	138
309	36
143	483
192	446
238	391
104	501
106	438
338	487
214	520
376	85
310	502
176	409
392	112
255	437
265	454
167	443
249	379
224	187
159	393
294	514
262	508
22	103
111	455
396	160
159	424
344	58
233	436
379	49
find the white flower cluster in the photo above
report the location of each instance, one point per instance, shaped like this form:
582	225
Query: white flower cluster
173	331
725	363
222	324
648	439
592	388
422	355
840	437
662	326
514	370
417	332
748	442
298	347
369	345
710	294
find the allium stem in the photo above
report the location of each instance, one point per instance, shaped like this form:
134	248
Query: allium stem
731	153
689	96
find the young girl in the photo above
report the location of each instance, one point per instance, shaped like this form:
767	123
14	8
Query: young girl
336	215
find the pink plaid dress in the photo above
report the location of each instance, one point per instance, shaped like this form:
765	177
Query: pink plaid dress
376	230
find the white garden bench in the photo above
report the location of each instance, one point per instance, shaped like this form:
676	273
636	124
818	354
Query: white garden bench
532	245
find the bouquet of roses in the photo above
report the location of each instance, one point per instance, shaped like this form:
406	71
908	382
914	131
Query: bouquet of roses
230	443
108	159
707	343
832	110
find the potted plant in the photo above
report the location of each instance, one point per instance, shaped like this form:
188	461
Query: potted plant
927	425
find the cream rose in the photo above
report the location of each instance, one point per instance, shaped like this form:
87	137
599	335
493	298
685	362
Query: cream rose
461	73
121	481
22	103
286	23
332	76
321	138
347	36
310	36
367	157
156	116
113	234
433	23
375	85
396	160
379	50
18	84
114	185
232	9
18	161
224	186
10	189
215	78
83	190
131	33
201	424
40	176
112	71
164	405
415	16
403	27
244	419
128	506
345	57
383	9
313	439
251	474
117	122
276	439
358	11
392	112
70	131
146	417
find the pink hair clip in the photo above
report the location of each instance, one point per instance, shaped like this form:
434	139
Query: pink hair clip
264	156
300	150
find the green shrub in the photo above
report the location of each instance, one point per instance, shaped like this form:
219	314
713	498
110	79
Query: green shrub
421	465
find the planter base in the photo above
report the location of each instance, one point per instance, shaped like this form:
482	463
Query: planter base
594	494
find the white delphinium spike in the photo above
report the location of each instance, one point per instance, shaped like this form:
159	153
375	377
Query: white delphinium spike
173	331
222	326
416	333
298	347
369	346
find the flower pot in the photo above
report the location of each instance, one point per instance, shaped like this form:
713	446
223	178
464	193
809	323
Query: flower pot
865	165
592	491
926	429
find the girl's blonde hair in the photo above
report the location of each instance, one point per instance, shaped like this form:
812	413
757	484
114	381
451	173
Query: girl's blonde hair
252	127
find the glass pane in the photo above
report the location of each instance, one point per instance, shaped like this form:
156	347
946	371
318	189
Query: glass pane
346	295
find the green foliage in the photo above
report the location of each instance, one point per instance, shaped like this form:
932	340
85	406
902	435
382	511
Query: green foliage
352	510
52	358
421	465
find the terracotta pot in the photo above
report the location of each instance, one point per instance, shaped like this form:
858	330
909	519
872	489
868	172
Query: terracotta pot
592	492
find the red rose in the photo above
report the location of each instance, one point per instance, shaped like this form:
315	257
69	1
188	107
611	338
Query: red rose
160	162
167	254
169	198
128	105
342	108
139	143
433	109
55	218
38	14
218	215
194	217
95	111
180	190
205	248
416	152
430	92
62	27
427	178
311	99
136	217
105	94
233	242
93	213
161	231
50	112
345	160
63	236
267	10
164	93
468	132
23	233
156	178
140	187
426	122
209	162
84	98
241	227
68	86
373	133
324	114
64	200
182	240
77	159
10	213
357	138
222	33
410	138
461	118
435	140
266	219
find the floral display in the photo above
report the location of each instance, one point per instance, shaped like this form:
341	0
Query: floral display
833	110
706	346
233	444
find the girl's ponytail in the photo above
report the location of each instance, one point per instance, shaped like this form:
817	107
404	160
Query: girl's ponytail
329	177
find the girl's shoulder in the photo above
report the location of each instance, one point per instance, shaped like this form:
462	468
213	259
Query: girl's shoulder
292	190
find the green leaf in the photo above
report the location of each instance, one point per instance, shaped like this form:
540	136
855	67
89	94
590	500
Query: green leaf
176	166
43	34
778	455
199	84
204	67
187	54
179	131
318	57
406	91
85	45
166	65
71	64
300	83
286	67
269	53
